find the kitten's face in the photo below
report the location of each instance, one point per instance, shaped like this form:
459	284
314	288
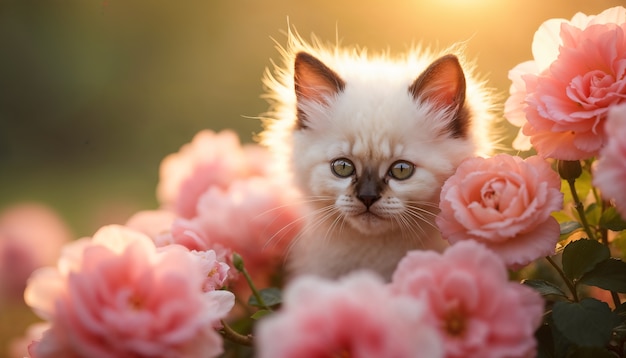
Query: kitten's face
373	152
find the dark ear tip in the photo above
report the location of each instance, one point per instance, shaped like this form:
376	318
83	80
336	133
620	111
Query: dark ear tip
303	56
450	59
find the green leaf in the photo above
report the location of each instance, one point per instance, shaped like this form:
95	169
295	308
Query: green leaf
545	288
260	313
609	274
611	220
271	296
569	227
581	256
587	323
590	352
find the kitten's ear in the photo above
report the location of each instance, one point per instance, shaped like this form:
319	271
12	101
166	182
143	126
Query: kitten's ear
443	84
314	82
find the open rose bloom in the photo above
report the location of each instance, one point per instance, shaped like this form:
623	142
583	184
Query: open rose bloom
561	98
354	317
478	311
117	295
505	203
218	194
209	160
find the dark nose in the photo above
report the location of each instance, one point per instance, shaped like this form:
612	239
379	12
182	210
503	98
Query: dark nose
368	200
368	187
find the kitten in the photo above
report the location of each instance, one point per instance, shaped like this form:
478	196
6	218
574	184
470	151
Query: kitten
369	141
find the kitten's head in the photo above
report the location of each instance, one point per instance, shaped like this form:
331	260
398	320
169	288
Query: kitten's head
372	140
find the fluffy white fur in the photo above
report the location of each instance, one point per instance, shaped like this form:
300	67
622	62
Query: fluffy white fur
374	122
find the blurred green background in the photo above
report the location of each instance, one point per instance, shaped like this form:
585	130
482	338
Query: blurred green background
94	93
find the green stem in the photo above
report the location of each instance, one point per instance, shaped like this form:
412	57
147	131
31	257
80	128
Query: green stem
580	208
604	235
239	265
567	281
604	232
235	336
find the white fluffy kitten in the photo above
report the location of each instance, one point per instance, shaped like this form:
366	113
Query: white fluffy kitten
369	141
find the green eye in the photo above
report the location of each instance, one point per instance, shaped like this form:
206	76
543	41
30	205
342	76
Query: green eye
401	170
342	167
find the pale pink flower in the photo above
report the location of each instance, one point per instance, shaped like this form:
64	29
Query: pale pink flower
117	295
354	317
578	72
254	217
31	236
610	172
504	202
153	223
479	312
214	271
210	160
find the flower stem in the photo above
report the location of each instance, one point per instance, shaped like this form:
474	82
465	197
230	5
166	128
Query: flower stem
578	205
236	337
604	232
239	265
570	284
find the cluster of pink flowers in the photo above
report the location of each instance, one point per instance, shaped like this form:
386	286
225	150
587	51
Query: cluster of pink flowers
456	304
118	295
561	98
217	194
155	287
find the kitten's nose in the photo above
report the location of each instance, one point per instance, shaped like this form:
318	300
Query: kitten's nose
368	200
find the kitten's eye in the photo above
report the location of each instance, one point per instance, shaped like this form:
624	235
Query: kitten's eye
342	167
401	170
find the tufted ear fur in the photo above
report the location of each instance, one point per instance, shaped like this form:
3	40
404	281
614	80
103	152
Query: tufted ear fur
313	81
443	85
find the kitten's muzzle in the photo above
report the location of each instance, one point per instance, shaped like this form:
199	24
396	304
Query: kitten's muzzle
368	188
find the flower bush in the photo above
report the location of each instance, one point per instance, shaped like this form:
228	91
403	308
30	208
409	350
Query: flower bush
535	266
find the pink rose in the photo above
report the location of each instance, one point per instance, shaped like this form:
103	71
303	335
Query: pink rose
610	171
210	160
253	217
154	223
117	295
579	71
504	202
214	271
478	311
354	317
